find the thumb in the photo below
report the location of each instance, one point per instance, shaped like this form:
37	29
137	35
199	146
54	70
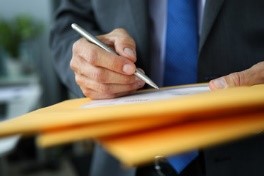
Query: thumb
249	77
122	42
231	80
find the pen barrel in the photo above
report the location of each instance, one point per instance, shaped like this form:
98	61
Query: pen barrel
91	38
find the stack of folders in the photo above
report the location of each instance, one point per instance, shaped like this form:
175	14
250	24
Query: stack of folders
169	121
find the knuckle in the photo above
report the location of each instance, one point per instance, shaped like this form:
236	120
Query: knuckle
117	64
123	36
103	88
79	80
236	78
86	92
98	75
73	64
91	56
75	46
127	41
89	53
119	30
128	79
136	86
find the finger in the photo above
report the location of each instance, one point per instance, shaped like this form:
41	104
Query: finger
96	56
98	96
101	75
231	80
122	42
96	90
78	64
109	89
95	94
249	77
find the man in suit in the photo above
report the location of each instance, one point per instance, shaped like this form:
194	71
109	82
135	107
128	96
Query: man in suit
231	51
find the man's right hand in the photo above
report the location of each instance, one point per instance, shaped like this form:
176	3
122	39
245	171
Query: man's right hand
103	75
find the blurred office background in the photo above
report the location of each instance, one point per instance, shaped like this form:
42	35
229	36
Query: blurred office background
27	82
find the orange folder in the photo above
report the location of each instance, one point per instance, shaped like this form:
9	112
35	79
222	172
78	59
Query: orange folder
177	124
203	105
138	148
49	138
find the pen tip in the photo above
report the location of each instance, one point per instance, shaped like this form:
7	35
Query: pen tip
156	87
153	85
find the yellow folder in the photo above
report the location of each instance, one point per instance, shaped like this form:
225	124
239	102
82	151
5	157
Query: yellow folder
49	138
196	120
134	149
204	105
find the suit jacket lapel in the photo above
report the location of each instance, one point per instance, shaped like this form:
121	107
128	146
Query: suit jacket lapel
140	28
138	10
212	8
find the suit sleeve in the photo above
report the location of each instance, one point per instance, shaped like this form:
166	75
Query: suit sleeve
62	37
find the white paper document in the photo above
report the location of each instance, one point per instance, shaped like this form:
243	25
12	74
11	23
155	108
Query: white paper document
148	96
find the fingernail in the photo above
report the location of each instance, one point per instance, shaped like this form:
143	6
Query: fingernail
220	83
129	52
128	69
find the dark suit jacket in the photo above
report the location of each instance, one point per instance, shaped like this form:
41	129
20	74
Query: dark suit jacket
232	40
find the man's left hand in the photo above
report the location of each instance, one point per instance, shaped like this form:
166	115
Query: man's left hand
248	77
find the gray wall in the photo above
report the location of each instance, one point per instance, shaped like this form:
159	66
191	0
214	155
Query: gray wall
39	8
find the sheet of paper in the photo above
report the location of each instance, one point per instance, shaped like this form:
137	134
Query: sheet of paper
149	96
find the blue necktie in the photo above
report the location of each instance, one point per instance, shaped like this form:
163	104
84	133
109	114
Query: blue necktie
181	56
181	43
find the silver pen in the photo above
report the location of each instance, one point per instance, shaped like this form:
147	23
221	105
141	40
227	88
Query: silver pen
97	42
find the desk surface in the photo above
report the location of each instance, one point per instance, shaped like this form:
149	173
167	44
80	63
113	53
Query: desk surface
8	144
18	99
